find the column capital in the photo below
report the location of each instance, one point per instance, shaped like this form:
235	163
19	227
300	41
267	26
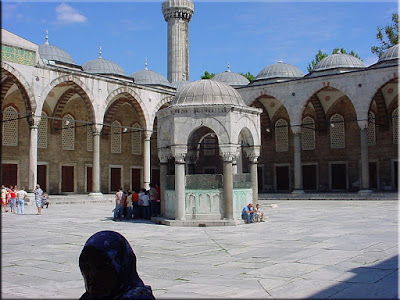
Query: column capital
96	129
147	134
363	124
179	153
253	153
296	129
164	154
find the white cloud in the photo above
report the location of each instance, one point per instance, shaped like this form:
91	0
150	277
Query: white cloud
67	14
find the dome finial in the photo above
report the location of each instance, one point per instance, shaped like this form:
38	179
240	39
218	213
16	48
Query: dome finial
47	37
228	68
145	64
100	52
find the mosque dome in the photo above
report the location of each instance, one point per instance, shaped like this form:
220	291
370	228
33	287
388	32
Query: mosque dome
339	60
147	76
50	52
391	53
279	70
103	66
180	84
231	78
207	92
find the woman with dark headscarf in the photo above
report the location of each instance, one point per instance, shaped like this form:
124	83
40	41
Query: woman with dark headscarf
108	266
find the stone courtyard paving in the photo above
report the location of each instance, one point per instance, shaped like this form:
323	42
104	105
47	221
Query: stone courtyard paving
305	249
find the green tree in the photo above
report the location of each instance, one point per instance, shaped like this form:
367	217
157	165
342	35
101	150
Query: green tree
321	55
392	36
207	75
250	77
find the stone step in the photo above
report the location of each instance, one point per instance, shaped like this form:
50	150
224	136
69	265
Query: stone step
329	196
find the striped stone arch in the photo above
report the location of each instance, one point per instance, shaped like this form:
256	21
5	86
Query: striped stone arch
11	76
63	100
380	82
119	97
264	117
321	121
255	94
278	115
165	102
382	116
334	107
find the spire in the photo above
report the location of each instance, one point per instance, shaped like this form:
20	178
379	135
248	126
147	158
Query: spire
228	68
100	52
145	64
47	37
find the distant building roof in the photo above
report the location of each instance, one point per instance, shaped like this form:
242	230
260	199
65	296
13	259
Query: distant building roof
231	78
103	66
278	72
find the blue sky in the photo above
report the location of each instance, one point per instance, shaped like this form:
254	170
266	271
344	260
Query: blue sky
248	35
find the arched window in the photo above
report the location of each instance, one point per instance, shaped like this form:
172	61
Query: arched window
10	127
68	133
116	137
371	129
308	134
281	136
42	131
89	138
395	119
337	132
136	140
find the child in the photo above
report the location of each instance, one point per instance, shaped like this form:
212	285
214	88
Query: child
259	214
44	200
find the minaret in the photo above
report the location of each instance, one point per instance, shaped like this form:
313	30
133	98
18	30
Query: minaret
178	14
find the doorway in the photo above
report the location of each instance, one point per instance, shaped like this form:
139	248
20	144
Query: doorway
42	176
115	179
136	180
67	179
338	176
10	174
282	178
310	177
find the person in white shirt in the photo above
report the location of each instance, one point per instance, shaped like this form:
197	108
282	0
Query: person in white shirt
21	194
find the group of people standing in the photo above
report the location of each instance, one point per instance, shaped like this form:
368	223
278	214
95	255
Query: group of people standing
137	205
15	198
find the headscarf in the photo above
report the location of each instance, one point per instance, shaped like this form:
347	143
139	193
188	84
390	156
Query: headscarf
118	250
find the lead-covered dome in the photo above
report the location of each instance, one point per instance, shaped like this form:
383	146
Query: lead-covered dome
50	52
339	60
389	54
103	67
207	92
279	71
180	84
147	76
231	78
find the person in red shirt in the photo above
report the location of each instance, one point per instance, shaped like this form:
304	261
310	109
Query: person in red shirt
13	199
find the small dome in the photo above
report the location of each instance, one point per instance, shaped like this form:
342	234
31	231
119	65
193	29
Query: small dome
279	70
180	84
50	52
207	92
149	77
103	66
391	53
339	60
231	78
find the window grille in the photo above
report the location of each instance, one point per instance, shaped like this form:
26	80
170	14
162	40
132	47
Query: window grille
209	145
10	127
371	129
281	136
308	134
42	131
89	138
68	133
116	137
136	140
337	132
395	118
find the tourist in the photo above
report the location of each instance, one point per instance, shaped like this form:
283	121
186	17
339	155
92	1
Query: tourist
123	203
13	199
157	202
118	205
135	204
21	194
128	215
248	213
38	198
259	214
108	266
45	200
153	196
144	202
3	198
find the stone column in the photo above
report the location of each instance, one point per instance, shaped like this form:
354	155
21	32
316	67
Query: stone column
298	170
96	165
146	160
163	183
253	153
179	188
228	187
179	152
33	143
364	161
